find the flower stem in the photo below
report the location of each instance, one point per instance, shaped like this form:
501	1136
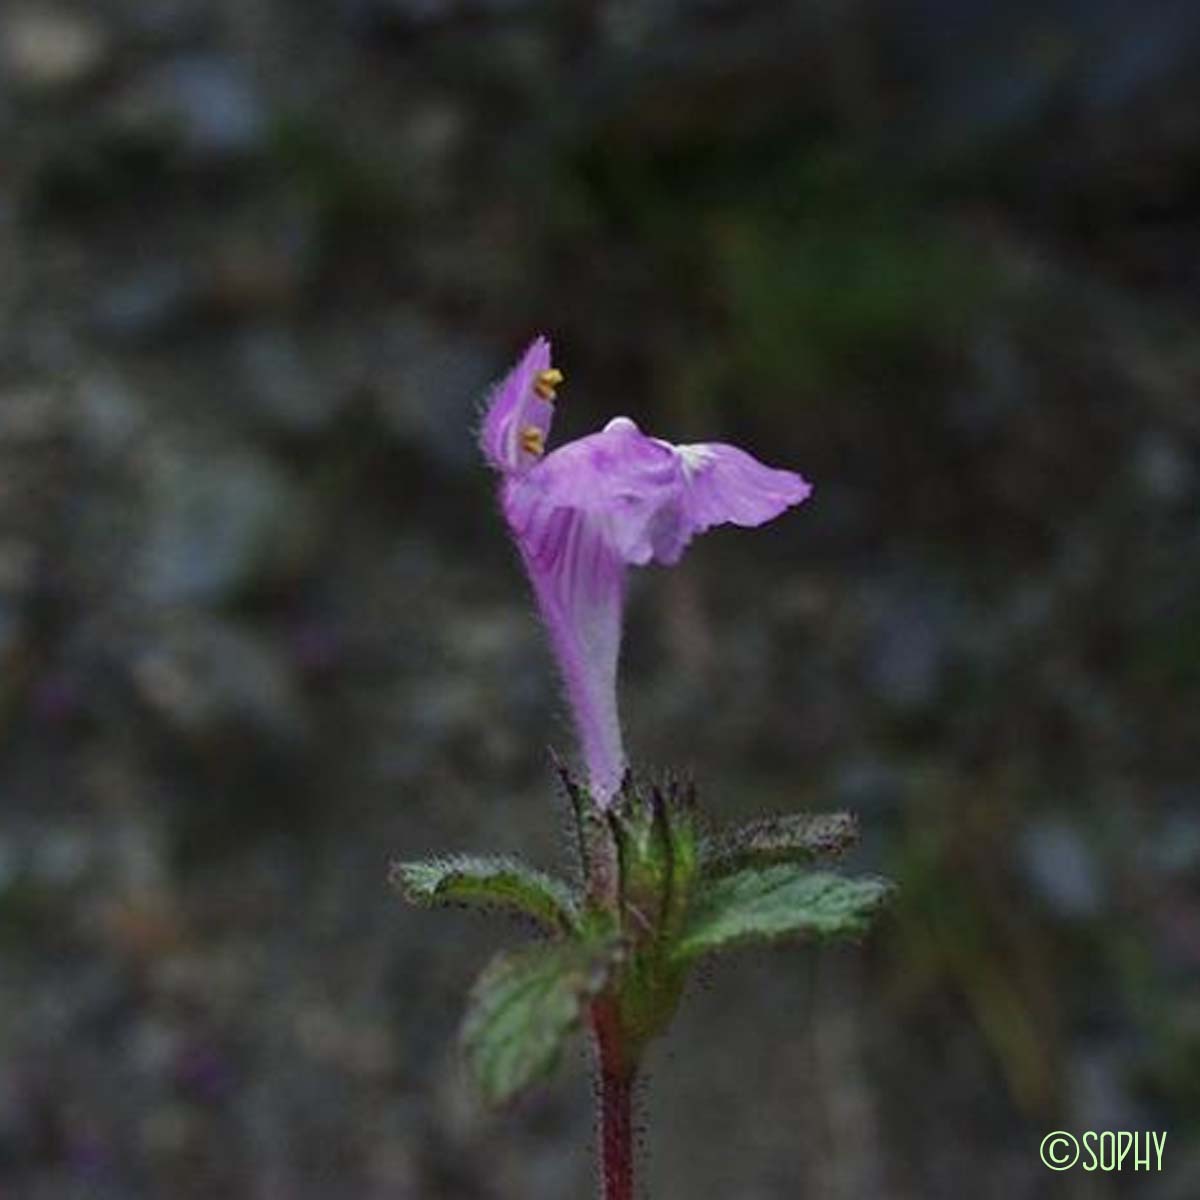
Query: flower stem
615	1094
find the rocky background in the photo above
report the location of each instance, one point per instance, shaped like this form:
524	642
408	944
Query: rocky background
261	630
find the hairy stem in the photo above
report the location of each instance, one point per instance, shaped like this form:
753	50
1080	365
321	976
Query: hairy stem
615	1093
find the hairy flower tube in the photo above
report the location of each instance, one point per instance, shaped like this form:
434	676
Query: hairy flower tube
584	512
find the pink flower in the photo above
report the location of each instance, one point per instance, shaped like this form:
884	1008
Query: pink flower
584	512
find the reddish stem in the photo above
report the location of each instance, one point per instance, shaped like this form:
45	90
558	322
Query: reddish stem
616	1103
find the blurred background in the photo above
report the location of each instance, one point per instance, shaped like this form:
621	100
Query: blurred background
261	629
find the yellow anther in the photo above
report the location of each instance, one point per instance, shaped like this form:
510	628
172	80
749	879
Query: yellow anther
546	381
533	441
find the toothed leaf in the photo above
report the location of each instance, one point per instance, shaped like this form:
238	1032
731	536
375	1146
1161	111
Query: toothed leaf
488	883
796	838
524	1007
783	900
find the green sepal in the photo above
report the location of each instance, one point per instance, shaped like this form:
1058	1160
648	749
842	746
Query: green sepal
489	882
653	828
795	838
524	1007
598	861
654	831
762	904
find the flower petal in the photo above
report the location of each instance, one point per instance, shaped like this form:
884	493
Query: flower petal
726	485
514	407
630	485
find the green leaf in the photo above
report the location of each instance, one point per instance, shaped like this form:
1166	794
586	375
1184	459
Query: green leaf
524	1007
784	900
489	883
796	838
